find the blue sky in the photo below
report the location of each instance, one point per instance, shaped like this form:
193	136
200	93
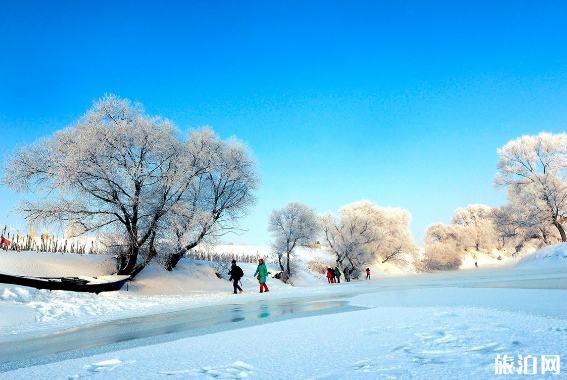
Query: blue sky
403	103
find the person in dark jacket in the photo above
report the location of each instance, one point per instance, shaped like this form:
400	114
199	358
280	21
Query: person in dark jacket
347	274
236	274
338	275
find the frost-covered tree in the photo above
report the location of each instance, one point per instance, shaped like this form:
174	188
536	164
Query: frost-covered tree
443	250
363	232
119	171
475	228
535	167
218	199
522	221
472	229
397	242
295	225
441	233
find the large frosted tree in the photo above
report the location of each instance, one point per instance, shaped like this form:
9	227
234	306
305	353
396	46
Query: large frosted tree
535	168
121	171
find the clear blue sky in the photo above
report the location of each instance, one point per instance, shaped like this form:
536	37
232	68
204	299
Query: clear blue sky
403	103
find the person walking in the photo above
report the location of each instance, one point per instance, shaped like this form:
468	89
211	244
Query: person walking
368	273
347	274
236	274
261	274
338	275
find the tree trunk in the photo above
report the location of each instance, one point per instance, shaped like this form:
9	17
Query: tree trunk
173	259
151	255
288	267
280	262
561	231
131	260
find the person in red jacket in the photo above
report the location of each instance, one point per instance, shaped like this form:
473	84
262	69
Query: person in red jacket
330	275
368	273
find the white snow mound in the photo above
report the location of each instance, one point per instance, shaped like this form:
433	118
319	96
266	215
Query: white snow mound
553	256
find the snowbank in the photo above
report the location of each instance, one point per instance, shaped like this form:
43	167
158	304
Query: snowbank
46	264
553	256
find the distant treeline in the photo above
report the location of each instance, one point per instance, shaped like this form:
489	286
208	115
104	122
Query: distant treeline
206	255
46	243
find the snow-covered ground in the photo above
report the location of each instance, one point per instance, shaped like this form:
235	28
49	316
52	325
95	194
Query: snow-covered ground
437	326
553	256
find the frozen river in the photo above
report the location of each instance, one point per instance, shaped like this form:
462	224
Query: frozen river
146	330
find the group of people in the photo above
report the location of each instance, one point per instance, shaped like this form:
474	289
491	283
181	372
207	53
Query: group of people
334	275
236	273
261	274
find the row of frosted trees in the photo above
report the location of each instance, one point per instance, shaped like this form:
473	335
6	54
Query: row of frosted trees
157	194
360	234
533	171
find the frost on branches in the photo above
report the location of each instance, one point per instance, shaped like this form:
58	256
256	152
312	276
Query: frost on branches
293	226
534	169
364	232
472	229
123	173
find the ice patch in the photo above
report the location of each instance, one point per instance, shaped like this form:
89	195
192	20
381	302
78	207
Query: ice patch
103	366
236	370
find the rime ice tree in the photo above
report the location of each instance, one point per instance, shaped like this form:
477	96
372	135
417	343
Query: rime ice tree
218	199
397	241
536	167
293	226
475	227
364	231
471	228
443	249
523	221
116	170
107	171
